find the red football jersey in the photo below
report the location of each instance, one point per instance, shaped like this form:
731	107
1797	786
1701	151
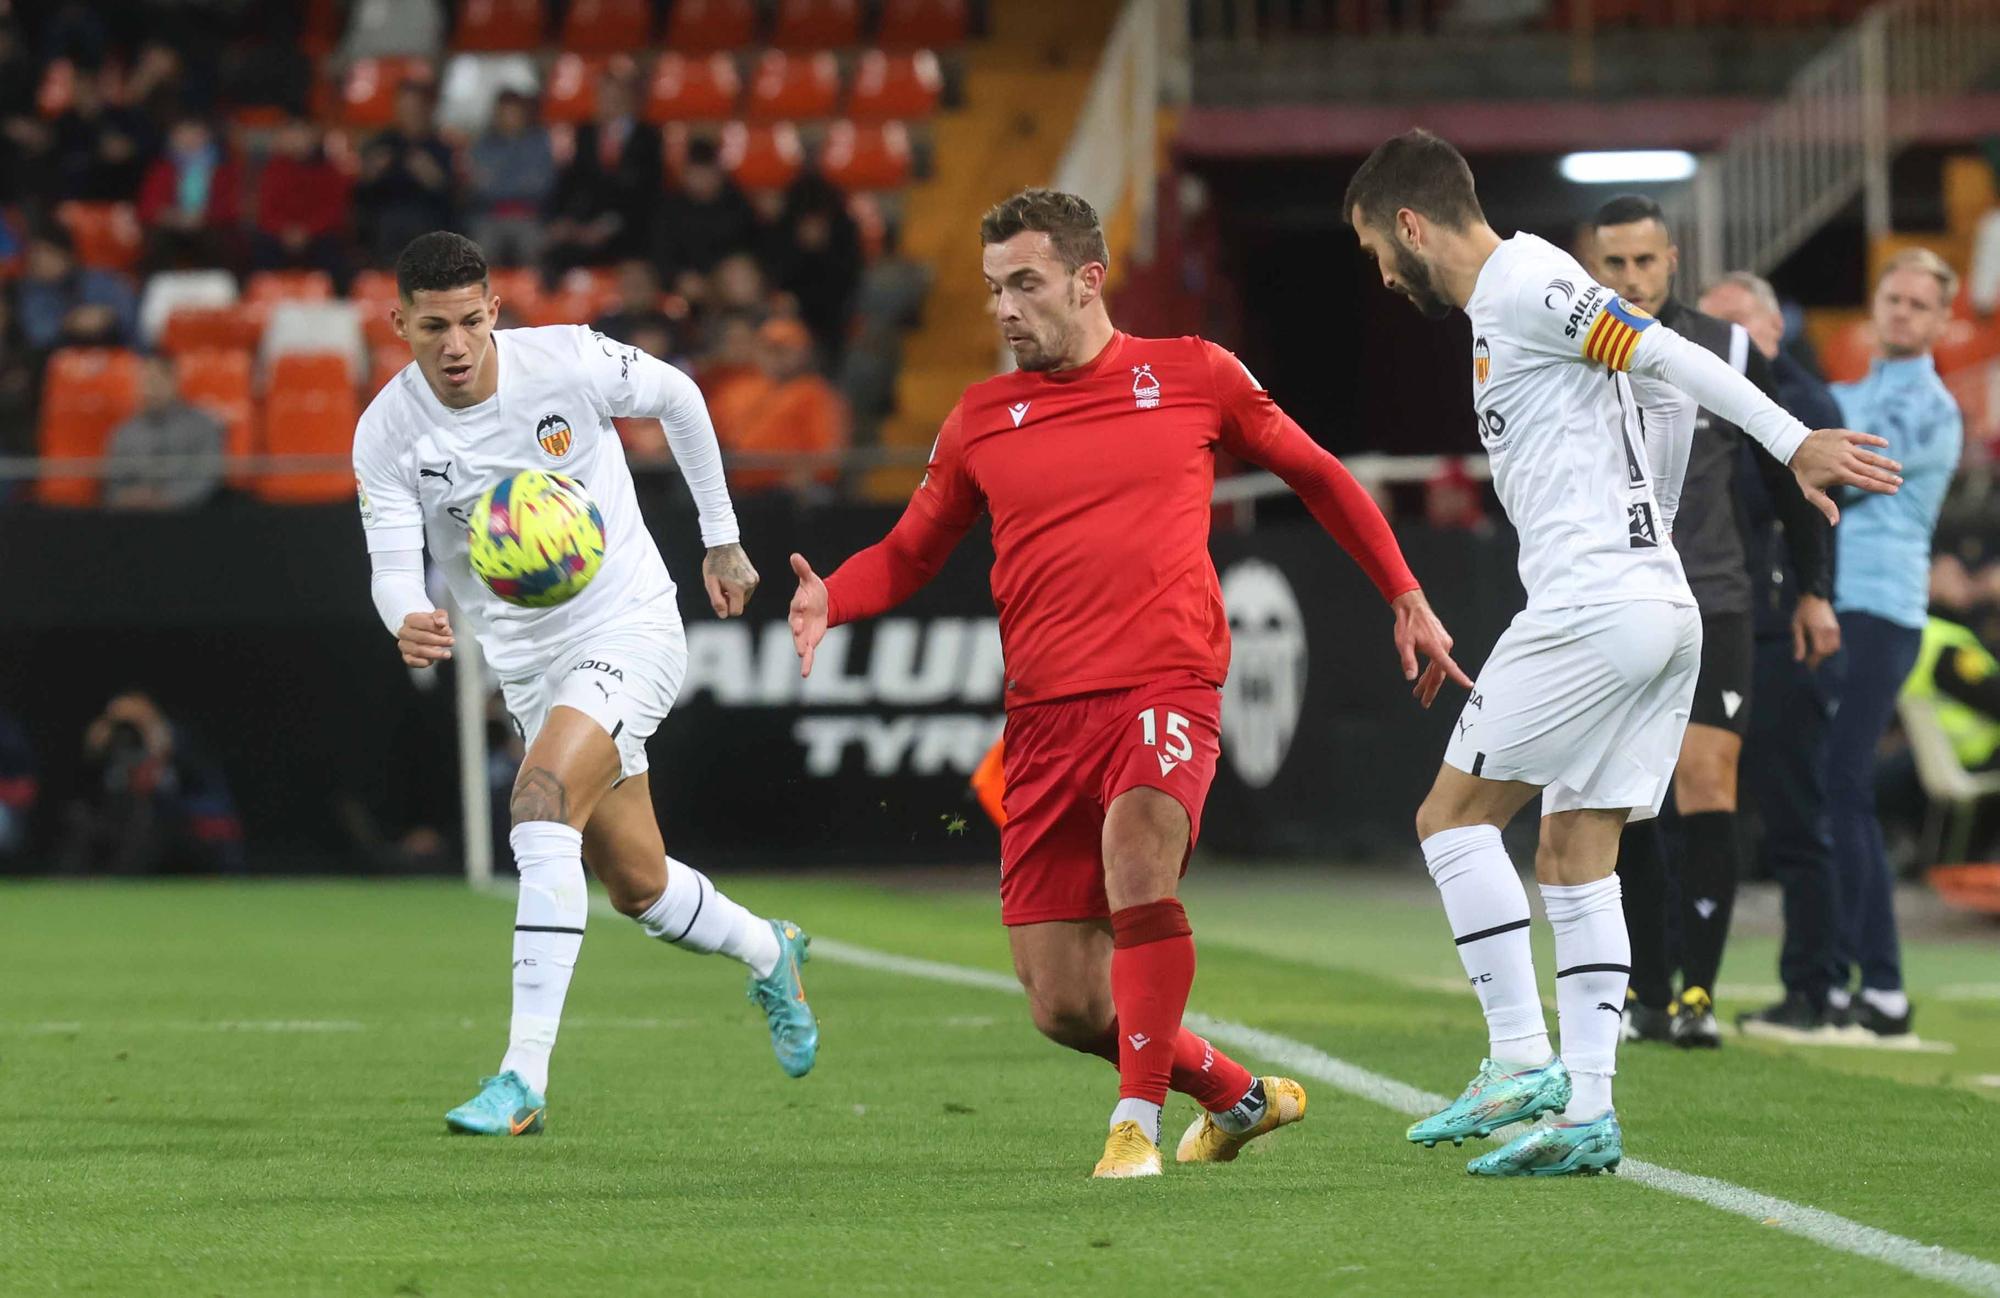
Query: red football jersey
1098	479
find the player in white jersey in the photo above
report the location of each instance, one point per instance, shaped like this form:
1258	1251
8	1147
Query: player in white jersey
587	682
1586	407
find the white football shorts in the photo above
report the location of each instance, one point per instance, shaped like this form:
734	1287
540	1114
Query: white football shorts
1588	703
624	676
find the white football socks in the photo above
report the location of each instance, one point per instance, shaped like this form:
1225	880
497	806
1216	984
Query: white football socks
548	931
695	915
1488	911
1144	1112
1593	965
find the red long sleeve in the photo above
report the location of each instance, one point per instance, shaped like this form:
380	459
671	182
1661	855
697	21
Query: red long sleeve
1255	429
876	579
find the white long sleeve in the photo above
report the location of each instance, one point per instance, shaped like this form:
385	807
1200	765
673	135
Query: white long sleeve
1667	416
637	385
1664	355
396	583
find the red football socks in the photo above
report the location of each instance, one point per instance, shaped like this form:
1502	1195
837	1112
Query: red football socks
1152	970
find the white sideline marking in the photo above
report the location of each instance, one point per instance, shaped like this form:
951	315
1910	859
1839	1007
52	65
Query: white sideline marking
1927	1261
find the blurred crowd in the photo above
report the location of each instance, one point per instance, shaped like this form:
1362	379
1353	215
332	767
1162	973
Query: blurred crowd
198	115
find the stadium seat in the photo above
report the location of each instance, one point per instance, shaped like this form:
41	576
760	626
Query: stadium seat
571	96
492	25
310	410
212	328
607	26
169	290
517	287
1966	343
107	235
816	24
385	363
895	87
327	327
921	24
867	157
368	92
1845	354
86	393
711	26
762	157
699	89
219	382
788	87
268	287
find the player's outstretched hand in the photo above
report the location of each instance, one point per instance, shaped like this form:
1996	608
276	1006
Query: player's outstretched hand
1418	631
1834	457
730	579
424	638
808	613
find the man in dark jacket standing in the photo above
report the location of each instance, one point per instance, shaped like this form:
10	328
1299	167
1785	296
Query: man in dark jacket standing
1635	255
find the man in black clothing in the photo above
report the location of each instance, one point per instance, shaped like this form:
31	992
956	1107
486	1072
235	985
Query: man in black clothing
1785	771
606	197
1636	256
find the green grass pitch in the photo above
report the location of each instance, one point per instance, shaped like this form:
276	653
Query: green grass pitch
238	1089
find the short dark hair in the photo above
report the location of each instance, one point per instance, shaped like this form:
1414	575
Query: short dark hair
1417	170
1629	209
1071	224
437	261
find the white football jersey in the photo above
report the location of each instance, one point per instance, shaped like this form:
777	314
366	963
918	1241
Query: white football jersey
1565	433
421	466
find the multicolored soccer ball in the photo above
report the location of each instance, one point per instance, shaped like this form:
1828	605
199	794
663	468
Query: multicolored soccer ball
537	539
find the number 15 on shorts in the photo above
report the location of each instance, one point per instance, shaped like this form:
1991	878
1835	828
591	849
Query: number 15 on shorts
1178	748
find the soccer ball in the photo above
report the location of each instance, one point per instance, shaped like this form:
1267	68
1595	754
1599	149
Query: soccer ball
537	539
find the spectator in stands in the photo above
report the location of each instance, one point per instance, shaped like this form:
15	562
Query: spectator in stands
731	354
153	801
512	174
302	206
164	431
638	308
59	303
100	150
406	177
814	254
20	787
190	202
703	219
1454	501
607	196
24	156
784	407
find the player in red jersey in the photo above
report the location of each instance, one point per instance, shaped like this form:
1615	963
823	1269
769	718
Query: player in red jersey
1097	462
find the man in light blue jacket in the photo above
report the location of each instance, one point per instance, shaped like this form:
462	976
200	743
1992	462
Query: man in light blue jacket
1881	589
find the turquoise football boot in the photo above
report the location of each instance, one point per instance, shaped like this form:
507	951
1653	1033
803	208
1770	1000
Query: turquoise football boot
1558	1149
782	997
505	1106
1494	1099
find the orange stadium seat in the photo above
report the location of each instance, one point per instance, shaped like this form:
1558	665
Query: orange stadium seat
310	410
922	24
1846	353
498	25
385	363
86	393
791	86
867	157
107	235
1965	343
607	26
762	157
711	26
219	382
816	24
517	287
212	328
891	87
368	93
373	292
267	287
699	89
571	96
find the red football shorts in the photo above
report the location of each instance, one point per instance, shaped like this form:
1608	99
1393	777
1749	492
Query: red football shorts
1065	762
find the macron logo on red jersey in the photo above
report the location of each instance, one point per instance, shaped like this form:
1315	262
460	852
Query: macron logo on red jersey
1019	412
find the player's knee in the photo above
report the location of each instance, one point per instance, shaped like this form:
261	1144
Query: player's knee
538	795
628	899
1079	1022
